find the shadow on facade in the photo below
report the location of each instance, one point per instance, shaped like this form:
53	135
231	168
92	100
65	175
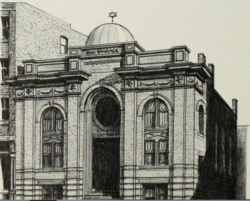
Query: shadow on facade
217	169
213	184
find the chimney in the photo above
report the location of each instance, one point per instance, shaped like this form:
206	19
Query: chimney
235	106
201	58
211	68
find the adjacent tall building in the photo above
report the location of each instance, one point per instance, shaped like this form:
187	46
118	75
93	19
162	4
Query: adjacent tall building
108	119
27	33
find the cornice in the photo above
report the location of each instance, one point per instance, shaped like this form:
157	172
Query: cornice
34	79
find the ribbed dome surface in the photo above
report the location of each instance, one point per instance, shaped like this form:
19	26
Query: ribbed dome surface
109	33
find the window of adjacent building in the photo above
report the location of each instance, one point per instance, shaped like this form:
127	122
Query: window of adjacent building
229	155
5	108
5	68
63	45
52	131
5	27
156	133
155	191
222	151
201	120
216	147
52	192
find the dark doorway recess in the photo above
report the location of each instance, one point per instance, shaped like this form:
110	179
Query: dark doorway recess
106	165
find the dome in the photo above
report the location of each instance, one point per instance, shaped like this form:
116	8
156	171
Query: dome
109	33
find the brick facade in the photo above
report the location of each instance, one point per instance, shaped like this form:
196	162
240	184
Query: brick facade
201	162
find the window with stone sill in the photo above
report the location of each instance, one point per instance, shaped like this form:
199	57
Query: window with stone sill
63	45
156	151
5	68
5	109
5	27
52	131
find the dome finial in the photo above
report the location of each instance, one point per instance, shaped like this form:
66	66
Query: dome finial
112	15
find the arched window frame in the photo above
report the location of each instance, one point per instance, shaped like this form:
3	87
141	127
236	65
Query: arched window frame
52	138
201	120
63	45
201	123
156	121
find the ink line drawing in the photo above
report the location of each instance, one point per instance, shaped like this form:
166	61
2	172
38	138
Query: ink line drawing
99	117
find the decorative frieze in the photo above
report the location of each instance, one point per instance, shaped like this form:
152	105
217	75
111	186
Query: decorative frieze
156	83
107	50
72	87
179	80
190	80
199	85
101	65
129	83
19	93
52	91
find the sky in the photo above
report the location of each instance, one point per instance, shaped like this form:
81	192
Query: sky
219	29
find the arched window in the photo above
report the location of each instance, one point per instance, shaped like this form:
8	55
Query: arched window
63	45
52	131
156	133
201	120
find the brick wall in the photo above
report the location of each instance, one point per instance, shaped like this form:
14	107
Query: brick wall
216	175
38	34
243	132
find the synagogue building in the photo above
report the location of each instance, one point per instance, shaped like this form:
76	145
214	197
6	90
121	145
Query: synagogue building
100	117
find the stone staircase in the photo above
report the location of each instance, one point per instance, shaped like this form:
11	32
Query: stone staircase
94	195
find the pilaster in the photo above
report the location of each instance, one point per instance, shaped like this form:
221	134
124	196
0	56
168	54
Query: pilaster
20	150
74	189
29	146
130	142
179	159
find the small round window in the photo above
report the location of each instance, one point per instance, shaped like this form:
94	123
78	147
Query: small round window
106	113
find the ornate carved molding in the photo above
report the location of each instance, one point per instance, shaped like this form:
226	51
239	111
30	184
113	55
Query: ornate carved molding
190	80
156	83
51	92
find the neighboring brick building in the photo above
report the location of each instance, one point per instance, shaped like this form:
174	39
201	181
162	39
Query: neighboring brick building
27	33
243	170
110	119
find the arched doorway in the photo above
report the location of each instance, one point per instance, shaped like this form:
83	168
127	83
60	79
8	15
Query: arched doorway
105	135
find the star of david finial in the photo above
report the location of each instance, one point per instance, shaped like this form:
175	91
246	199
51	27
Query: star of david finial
112	15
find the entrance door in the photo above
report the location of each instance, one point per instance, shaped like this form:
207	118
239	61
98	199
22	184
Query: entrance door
106	165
